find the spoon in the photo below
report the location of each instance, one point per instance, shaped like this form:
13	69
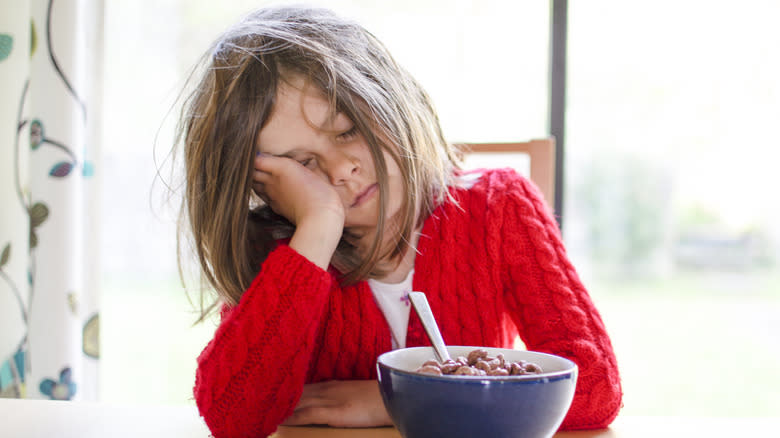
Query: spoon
420	304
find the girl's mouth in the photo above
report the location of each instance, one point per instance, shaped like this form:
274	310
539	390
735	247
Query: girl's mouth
365	195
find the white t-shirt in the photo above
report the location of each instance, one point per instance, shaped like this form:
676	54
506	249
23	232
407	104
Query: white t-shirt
393	300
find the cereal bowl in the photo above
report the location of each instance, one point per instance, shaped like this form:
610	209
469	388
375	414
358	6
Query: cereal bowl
454	406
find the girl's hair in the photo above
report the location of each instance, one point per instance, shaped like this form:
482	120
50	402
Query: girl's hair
232	230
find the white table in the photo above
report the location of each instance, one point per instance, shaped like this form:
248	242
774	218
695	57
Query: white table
56	419
61	419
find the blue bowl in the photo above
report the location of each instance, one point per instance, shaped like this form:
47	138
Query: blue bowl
428	406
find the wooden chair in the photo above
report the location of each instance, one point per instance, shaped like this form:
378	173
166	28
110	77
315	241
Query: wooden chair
540	155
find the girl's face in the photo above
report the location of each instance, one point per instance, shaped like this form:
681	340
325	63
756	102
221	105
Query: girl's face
301	127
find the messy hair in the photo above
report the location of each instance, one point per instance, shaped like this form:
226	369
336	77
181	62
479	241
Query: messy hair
231	231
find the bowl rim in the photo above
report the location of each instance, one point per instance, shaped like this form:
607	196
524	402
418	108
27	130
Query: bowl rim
552	375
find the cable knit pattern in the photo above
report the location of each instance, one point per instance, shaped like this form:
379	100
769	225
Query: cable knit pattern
492	267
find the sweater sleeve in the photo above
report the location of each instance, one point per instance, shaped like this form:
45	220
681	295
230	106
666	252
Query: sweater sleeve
550	306
250	376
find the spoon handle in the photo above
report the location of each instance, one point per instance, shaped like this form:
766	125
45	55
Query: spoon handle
420	304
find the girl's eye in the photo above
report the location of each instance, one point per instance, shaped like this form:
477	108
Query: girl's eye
348	135
306	162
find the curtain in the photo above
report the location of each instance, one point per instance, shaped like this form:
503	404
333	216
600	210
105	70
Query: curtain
50	58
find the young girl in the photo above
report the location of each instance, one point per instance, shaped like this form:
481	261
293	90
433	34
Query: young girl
320	189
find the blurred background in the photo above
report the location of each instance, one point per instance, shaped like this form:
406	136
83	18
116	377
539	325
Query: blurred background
670	158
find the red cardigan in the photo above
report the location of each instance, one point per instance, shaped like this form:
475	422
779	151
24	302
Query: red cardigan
493	268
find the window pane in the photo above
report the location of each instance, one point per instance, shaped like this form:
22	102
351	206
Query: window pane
670	210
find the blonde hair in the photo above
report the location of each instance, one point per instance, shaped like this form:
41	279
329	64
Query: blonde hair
231	233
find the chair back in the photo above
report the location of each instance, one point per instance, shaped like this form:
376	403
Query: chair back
534	159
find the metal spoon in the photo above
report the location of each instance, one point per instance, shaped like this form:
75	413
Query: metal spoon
420	304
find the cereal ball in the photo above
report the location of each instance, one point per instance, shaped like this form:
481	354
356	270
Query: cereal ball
430	370
476	355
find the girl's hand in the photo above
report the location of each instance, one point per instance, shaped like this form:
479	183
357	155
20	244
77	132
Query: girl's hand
341	403
294	191
306	200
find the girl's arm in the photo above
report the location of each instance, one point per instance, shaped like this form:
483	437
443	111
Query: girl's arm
550	306
251	375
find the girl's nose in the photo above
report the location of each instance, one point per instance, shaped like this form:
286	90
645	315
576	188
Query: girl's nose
342	167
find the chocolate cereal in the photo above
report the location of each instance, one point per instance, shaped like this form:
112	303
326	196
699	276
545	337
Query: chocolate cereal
478	363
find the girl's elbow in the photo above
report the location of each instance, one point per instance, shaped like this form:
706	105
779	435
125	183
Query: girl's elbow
596	408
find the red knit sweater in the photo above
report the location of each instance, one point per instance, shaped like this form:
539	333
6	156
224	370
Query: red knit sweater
493	268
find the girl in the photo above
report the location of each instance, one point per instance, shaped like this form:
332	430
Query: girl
319	189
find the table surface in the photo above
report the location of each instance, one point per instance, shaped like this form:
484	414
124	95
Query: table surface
45	419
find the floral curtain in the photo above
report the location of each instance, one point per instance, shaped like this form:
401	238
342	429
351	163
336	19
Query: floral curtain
50	57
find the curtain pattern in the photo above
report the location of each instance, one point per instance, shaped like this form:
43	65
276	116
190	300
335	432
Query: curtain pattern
50	57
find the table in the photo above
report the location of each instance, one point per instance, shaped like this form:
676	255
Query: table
623	427
46	419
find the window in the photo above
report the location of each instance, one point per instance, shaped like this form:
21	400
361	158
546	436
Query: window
670	214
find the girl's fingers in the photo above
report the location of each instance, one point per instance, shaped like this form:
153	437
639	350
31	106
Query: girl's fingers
259	158
310	402
310	415
261	177
312	408
269	163
259	190
314	395
269	166
310	390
